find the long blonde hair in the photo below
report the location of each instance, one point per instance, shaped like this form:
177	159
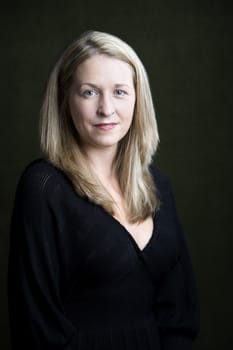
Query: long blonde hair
60	140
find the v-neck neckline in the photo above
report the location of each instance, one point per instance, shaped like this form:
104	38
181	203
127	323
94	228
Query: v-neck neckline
129	235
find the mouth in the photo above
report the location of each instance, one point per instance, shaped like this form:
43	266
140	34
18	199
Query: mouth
105	126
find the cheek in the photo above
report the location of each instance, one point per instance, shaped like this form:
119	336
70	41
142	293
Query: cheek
129	112
78	112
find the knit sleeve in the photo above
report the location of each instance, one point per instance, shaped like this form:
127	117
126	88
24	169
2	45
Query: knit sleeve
177	305
37	319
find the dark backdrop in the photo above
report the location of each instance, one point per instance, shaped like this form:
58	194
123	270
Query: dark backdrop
186	47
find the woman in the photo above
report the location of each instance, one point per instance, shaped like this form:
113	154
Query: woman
97	255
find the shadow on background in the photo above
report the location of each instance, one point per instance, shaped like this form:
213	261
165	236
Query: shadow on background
186	47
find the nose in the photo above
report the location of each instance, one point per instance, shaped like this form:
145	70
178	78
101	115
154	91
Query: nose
106	106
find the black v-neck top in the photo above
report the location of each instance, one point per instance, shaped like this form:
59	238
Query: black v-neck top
77	280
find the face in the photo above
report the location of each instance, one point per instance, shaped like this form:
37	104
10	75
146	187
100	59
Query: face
101	101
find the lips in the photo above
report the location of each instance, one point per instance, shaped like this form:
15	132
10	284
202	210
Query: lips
105	126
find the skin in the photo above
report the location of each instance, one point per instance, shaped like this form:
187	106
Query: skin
101	101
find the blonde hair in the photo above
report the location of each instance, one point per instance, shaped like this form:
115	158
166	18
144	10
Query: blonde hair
60	140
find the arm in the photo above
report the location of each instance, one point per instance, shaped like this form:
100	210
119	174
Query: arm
37	320
176	306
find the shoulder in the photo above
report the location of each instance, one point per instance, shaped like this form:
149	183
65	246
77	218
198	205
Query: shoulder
40	177
39	168
161	180
164	190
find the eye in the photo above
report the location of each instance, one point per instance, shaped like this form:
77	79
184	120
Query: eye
89	93
120	92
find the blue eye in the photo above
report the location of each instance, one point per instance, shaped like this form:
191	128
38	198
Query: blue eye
120	92
89	93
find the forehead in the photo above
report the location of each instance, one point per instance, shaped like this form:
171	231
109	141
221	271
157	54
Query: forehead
104	68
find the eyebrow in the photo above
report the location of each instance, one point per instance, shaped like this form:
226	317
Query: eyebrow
97	87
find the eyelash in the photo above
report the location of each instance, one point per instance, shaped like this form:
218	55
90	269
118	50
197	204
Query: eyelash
86	93
91	93
123	92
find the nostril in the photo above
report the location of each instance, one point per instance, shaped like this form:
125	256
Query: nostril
105	112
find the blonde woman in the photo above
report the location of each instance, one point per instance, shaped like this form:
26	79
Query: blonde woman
97	258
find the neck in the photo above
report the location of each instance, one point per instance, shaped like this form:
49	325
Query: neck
101	160
102	163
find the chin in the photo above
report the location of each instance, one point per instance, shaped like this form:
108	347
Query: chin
107	143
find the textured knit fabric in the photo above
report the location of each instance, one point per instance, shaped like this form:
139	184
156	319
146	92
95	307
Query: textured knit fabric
77	279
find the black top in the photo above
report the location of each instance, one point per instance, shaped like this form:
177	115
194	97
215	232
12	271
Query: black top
78	280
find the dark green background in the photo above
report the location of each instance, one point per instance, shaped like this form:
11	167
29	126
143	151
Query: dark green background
186	47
